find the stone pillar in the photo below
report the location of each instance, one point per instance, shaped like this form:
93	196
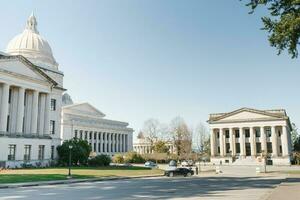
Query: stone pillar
47	115
263	139
4	107
274	142
242	142
41	113
222	142
20	116
231	141
212	143
284	141
34	112
252	142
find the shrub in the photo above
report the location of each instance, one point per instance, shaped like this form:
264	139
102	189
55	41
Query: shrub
118	158
80	152
133	157
100	161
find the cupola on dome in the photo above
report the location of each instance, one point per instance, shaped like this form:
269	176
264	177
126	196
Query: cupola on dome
32	45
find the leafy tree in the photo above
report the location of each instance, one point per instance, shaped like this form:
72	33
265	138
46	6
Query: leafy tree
118	158
100	161
160	147
295	138
283	24
80	152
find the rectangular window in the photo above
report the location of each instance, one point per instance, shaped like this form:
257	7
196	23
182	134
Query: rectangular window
218	135
52	127
237	133
237	147
95	149
53	105
99	136
218	149
227	133
11	152
257	132
41	153
9	95
95	136
85	135
27	152
247	133
76	134
52	152
258	147
280	149
81	132
279	133
91	133
99	147
227	148
7	124
268	132
269	147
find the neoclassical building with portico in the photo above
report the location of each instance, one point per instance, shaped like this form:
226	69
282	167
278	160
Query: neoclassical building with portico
31	87
242	136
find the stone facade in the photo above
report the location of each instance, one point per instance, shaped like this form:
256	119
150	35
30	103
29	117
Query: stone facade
246	135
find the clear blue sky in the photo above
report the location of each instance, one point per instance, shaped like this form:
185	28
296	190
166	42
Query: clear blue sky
136	59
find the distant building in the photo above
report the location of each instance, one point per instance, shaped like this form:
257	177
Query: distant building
240	137
143	145
86	122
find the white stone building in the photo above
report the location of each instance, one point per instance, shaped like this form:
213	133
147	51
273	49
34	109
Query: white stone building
143	146
31	88
104	136
240	137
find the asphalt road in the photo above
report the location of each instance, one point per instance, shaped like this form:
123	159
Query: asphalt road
213	187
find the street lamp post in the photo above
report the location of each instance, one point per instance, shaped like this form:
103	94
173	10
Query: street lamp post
70	160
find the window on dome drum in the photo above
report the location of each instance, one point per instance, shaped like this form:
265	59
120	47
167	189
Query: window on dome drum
227	133
52	127
41	153
258	147
269	147
53	105
238	147
11	152
247	133
27	152
52	152
268	132
257	132
237	133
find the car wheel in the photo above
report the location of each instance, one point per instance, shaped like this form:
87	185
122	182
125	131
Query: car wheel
189	174
171	174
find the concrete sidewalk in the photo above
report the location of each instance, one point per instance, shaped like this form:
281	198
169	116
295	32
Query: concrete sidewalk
288	189
70	181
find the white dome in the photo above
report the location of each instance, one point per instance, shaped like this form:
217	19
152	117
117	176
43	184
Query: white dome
32	46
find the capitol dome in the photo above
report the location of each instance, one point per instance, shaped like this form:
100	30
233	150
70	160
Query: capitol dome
32	46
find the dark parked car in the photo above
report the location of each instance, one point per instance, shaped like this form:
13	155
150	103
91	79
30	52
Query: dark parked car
179	172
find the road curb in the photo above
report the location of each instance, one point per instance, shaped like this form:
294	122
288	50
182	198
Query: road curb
72	181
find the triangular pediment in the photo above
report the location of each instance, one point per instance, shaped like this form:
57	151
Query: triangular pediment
20	66
246	114
83	109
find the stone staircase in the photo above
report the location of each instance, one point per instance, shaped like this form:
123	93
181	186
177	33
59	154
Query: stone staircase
248	161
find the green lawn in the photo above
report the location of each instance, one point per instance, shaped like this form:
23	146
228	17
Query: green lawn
49	174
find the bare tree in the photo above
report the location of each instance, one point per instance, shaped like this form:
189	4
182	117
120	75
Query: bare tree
182	137
151	130
200	137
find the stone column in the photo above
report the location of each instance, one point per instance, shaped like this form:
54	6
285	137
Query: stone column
263	139
284	141
47	115
242	143
274	142
252	142
20	115
4	107
41	114
222	142
212	143
231	141
34	112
